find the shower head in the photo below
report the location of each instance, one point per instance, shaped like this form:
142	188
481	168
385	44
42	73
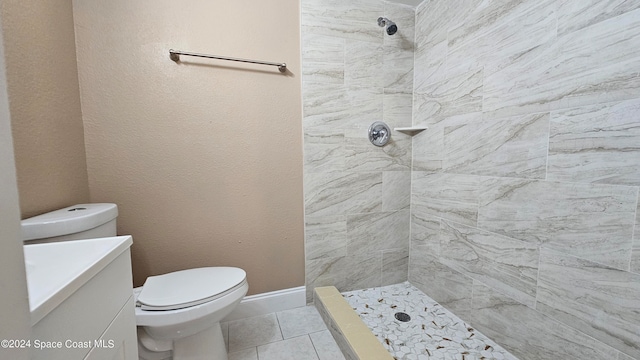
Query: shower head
391	26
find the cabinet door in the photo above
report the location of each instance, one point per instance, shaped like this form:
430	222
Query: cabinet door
83	317
119	341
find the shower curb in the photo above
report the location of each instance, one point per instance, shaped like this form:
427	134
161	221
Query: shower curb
355	339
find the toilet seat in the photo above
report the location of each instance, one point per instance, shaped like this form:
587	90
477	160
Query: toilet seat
187	288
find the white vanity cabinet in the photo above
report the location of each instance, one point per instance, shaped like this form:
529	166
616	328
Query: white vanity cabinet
94	318
116	342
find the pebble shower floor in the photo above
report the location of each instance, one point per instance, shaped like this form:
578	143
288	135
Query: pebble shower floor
432	333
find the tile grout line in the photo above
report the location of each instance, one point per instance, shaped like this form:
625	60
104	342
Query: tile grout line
540	245
228	340
634	232
535	303
279	326
308	335
267	343
314	346
546	169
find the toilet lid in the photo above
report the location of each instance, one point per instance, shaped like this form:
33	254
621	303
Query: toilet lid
190	287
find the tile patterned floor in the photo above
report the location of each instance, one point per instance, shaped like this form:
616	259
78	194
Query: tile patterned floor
432	333
296	334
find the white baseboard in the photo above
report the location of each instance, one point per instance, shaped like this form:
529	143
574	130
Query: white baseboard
265	303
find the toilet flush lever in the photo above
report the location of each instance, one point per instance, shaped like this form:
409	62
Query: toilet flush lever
379	133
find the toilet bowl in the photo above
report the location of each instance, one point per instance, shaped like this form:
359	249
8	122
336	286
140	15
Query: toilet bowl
186	319
178	314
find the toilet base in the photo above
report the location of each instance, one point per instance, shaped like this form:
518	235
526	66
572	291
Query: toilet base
205	345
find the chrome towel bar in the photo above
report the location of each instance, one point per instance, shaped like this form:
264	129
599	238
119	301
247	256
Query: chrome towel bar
175	56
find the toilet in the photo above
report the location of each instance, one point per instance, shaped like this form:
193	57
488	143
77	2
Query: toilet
177	314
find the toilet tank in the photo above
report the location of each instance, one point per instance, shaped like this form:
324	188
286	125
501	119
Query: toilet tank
82	221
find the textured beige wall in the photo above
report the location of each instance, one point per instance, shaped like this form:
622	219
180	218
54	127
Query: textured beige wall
14	303
45	104
203	158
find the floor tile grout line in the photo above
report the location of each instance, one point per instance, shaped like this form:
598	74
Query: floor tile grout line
314	346
227	342
317	331
279	326
278	321
257	345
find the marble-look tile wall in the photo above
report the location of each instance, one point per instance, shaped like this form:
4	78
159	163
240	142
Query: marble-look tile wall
524	207
356	195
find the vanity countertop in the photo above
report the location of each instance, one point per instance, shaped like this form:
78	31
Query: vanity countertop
57	270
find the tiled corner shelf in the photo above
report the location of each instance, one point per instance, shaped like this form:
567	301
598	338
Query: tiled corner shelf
411	130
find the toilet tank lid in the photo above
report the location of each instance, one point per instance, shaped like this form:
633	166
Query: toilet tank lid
70	220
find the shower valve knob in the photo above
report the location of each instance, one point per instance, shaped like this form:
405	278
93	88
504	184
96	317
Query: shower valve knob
379	133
